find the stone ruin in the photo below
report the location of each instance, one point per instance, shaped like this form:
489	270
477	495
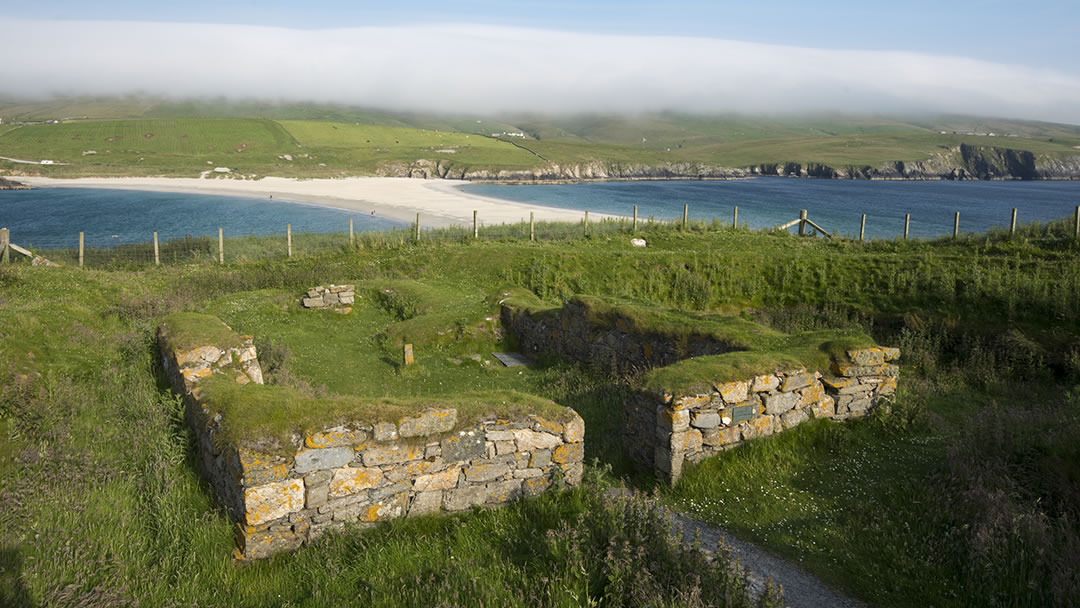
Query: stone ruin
338	298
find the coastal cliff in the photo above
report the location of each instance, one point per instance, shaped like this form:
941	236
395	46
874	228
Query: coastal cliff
964	162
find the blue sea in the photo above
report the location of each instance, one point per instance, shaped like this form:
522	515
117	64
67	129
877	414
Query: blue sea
53	217
836	205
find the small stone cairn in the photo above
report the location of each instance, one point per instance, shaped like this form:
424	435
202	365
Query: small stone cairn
338	298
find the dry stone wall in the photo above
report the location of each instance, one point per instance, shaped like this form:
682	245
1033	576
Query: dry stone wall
363	474
664	429
336	297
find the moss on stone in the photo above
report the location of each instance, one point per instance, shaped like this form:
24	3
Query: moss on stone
184	331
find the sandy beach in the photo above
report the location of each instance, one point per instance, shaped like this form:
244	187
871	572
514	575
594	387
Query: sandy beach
439	202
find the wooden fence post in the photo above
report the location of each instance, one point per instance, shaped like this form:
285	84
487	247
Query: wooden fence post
685	212
157	256
532	227
417	226
862	228
82	246
352	238
1012	224
956	225
1076	228
907	224
288	238
586	223
735	219
634	230
475	225
5	238
802	222
220	246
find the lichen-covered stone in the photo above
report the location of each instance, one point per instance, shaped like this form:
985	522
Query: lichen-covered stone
465	444
780	403
385	431
796	380
768	382
762	426
486	472
574	430
572	473
338	436
502	491
673	421
442	480
258	543
793	418
867	356
426	503
826	408
324	458
539	423
705	420
349	480
427	423
379	455
535	486
720	436
459	499
528	440
568	452
540	459
733	392
273	501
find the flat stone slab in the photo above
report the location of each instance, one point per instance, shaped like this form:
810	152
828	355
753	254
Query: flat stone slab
513	359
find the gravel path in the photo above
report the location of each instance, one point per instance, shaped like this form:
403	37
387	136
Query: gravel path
801	589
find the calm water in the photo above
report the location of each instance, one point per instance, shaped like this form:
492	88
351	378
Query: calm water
53	217
834	204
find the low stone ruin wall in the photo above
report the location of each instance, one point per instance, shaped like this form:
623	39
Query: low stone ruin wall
568	333
664	429
337	297
364	473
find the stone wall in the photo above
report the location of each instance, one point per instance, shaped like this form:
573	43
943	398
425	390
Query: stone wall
663	429
569	333
337	297
363	473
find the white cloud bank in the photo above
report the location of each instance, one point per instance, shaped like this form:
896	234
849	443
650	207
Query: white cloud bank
483	69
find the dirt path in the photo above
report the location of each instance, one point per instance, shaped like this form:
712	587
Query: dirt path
801	589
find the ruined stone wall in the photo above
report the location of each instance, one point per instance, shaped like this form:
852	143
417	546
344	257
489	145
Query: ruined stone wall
664	429
363	474
569	333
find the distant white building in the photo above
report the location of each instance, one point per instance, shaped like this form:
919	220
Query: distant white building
48	162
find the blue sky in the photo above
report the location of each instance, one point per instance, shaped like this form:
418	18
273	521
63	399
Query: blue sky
1040	33
482	56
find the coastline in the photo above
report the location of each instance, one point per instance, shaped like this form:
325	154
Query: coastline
441	203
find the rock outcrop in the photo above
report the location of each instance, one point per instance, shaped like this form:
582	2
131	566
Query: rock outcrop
7	184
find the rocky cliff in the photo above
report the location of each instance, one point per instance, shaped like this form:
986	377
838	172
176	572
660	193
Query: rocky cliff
7	184
964	162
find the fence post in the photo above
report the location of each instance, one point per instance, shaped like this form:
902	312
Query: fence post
634	230
157	256
862	228
475	225
5	238
735	219
802	222
685	212
1076	228
532	227
956	225
586	223
288	238
417	226
82	243
907	224
220	246
1012	224
352	238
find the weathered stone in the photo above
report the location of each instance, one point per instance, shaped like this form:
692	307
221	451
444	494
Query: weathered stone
504	447
796	380
432	450
428	423
325	458
733	392
413	468
350	480
813	393
259	543
253	371
315	496
528	440
720	436
273	501
568	452
338	436
540	459
826	408
793	418
465	444
426	503
761	426
346	299
527	473
887	386
668	462
204	355
502	491
486	472
313	302
496	436
379	455
768	382
574	430
692	440
443	480
258	477
539	423
318	478
867	356
572	473
535	486
390	507
672	421
858	407
780	403
891	354
838	384
687	402
705	420
385	431
856	371
463	498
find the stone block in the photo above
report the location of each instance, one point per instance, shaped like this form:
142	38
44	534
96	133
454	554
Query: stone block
796	380
765	383
325	458
574	430
428	423
568	452
442	480
259	543
891	354
813	393
793	418
761	426
858	371
315	496
705	420
528	440
390	507
413	468
200	357
733	392
720	436
313	302
459	499
535	486
426	503
527	473
867	356
338	436
465	444
826	408
503	448
692	440
318	478
887	386
858	407
486	472
350	480
689	402
539	423
273	501
837	384
499	436
502	491
385	431
780	403
390	454
672	421
540	459
572	473
668	462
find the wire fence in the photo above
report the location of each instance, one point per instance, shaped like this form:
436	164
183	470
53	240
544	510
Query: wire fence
101	252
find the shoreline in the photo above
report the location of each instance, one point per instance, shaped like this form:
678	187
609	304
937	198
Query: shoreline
440	203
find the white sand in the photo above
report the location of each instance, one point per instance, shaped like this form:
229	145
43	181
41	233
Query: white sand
439	202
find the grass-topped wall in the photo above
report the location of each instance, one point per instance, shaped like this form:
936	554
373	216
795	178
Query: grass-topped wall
708	381
288	467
